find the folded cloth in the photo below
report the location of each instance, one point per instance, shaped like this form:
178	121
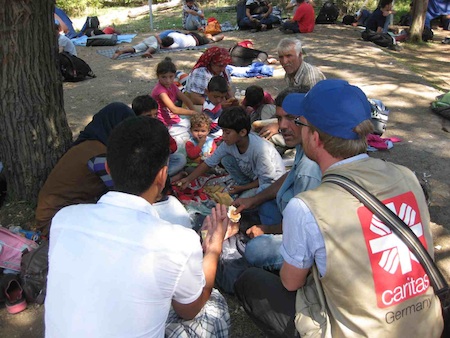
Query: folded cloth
376	142
254	70
81	41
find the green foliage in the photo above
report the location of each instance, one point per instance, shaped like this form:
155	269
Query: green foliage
77	7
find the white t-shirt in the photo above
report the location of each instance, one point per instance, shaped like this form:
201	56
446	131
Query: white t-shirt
114	268
181	40
67	44
261	160
172	211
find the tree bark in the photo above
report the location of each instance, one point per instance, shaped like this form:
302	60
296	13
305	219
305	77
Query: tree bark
418	14
34	131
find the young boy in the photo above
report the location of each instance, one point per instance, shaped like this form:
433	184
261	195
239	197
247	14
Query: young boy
216	93
258	104
145	105
193	17
252	161
200	145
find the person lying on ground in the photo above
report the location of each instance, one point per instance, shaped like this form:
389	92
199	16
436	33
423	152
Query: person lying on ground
192	39
149	45
166	279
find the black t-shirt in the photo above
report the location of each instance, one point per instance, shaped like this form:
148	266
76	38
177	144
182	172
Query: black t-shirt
257	7
376	20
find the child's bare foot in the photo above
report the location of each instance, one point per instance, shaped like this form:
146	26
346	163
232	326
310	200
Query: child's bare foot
116	54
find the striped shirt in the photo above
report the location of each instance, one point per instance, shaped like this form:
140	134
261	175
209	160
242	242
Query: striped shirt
307	75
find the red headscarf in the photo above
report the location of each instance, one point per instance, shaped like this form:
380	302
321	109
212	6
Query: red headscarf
214	54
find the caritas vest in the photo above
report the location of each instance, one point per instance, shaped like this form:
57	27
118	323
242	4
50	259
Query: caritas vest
374	286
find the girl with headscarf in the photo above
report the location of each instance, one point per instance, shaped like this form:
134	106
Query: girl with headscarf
70	181
212	62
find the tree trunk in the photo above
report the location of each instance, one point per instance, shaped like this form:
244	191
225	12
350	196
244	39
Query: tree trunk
34	131
418	14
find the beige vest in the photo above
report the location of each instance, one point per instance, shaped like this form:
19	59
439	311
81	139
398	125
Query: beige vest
372	285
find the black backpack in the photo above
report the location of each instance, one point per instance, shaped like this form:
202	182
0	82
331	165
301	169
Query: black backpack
328	13
33	274
380	39
92	23
74	69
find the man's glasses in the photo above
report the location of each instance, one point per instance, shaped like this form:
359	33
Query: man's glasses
300	123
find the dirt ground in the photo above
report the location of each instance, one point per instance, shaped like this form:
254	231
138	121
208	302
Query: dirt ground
406	82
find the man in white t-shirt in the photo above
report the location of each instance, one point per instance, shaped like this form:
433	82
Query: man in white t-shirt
117	269
184	40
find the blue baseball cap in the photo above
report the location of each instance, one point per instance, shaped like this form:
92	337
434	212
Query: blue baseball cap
332	106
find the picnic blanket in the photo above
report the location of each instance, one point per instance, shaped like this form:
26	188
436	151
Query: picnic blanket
257	69
81	41
110	52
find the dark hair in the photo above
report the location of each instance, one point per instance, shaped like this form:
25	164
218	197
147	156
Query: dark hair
235	118
166	66
218	84
254	95
138	148
143	104
289	90
167	41
383	3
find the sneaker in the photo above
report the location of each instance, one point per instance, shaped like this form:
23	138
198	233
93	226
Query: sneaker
395	47
288	31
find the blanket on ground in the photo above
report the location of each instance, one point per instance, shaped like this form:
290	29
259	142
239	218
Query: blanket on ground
110	52
257	69
81	41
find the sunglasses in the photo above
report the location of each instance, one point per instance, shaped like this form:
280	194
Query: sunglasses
300	123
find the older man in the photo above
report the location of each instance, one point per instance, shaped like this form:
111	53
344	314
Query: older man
298	72
331	229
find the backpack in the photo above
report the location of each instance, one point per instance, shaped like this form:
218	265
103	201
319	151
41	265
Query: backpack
380	39
442	106
380	115
212	27
73	69
102	40
12	246
33	274
328	13
91	23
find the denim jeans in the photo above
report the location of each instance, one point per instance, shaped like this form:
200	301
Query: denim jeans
193	22
269	214
269	21
264	252
177	161
293	26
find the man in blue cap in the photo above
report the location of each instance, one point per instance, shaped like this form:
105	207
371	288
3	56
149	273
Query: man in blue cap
373	285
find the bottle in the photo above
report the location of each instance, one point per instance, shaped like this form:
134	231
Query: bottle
237	95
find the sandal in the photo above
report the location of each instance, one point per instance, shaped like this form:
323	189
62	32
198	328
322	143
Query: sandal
15	302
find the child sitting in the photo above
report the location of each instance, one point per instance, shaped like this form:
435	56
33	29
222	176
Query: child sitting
166	94
200	145
258	104
216	93
252	161
145	105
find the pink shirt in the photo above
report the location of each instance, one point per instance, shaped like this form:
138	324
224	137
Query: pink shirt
165	115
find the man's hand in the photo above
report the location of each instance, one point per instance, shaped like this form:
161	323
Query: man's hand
243	203
256	230
236	189
268	131
216	224
183	183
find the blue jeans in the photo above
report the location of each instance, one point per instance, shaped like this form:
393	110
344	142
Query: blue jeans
269	214
264	252
293	26
193	22
269	21
177	161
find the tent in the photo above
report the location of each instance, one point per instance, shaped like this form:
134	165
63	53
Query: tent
435	9
66	23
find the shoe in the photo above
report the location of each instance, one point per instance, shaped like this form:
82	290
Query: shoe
446	40
263	28
396	48
253	30
288	31
15	302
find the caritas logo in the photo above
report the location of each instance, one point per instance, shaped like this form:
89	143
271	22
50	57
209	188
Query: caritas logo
397	274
